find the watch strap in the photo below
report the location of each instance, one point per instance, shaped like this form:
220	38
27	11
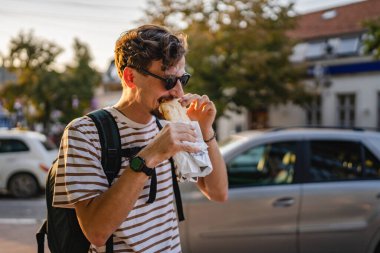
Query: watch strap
153	187
148	171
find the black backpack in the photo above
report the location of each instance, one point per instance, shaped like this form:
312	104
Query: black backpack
61	226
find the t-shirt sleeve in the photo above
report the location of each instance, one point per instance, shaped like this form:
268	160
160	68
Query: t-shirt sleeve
79	171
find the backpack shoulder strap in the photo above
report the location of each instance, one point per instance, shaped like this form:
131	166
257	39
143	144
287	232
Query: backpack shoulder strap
177	193
110	142
109	137
40	236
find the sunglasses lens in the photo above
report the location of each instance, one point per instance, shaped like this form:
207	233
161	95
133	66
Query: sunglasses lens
170	83
184	79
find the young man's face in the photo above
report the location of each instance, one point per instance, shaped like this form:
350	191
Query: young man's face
152	90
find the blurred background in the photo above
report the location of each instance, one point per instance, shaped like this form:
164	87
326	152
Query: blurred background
264	63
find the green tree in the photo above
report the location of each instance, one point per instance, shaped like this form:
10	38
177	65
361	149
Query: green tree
239	51
372	42
80	81
41	86
32	60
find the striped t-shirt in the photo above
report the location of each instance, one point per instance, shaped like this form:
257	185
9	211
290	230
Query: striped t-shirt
148	227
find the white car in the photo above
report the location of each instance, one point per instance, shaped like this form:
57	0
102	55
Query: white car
25	158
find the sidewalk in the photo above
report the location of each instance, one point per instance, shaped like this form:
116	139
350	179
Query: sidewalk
19	238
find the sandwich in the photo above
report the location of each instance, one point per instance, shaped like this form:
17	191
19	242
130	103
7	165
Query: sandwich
192	165
173	111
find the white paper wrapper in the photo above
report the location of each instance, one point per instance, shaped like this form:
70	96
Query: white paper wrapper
190	166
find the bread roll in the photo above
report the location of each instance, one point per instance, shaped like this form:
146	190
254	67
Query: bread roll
173	111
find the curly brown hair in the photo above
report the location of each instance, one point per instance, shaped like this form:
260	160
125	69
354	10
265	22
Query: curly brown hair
137	48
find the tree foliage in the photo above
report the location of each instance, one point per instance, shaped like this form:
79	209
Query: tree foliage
80	81
40	86
372	42
239	51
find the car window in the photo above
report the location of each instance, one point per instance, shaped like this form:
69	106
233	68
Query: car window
12	145
335	161
374	141
372	164
268	164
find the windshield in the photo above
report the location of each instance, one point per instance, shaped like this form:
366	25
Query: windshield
231	142
237	140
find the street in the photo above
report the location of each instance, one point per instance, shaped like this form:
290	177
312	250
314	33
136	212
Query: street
19	221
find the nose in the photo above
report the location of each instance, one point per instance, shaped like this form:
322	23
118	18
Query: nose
177	91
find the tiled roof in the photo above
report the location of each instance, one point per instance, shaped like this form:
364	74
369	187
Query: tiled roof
348	20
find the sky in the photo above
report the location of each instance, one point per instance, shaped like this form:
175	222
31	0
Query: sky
98	23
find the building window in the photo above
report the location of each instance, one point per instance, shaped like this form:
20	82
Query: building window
348	46
346	110
313	112
299	51
316	50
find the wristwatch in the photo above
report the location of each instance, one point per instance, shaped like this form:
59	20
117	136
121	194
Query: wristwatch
137	164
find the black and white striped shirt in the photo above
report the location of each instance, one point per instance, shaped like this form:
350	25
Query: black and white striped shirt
148	227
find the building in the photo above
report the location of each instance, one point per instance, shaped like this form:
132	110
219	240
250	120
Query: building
110	91
347	81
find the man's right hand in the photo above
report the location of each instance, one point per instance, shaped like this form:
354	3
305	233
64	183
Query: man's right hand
168	142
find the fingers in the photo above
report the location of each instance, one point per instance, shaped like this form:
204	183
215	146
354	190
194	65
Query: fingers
187	99
195	101
202	102
186	138
181	128
181	132
173	138
179	138
208	106
189	148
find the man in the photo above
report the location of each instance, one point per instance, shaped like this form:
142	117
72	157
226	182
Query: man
145	58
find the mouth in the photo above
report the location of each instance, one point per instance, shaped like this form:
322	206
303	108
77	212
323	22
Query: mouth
165	99
156	112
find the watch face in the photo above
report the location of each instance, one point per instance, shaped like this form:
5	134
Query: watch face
136	164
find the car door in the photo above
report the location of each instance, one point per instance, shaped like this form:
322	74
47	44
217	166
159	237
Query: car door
261	212
338	207
12	152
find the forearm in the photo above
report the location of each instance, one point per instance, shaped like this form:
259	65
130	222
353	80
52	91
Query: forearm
215	185
101	216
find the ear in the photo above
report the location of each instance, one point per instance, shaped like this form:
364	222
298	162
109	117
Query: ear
128	77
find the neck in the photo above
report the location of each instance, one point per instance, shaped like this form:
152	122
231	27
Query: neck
132	109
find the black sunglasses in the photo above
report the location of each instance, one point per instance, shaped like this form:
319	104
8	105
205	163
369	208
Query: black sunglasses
171	81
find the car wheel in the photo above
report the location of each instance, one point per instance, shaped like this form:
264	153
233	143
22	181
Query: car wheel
23	185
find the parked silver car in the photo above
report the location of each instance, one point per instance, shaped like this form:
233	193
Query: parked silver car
25	158
291	191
